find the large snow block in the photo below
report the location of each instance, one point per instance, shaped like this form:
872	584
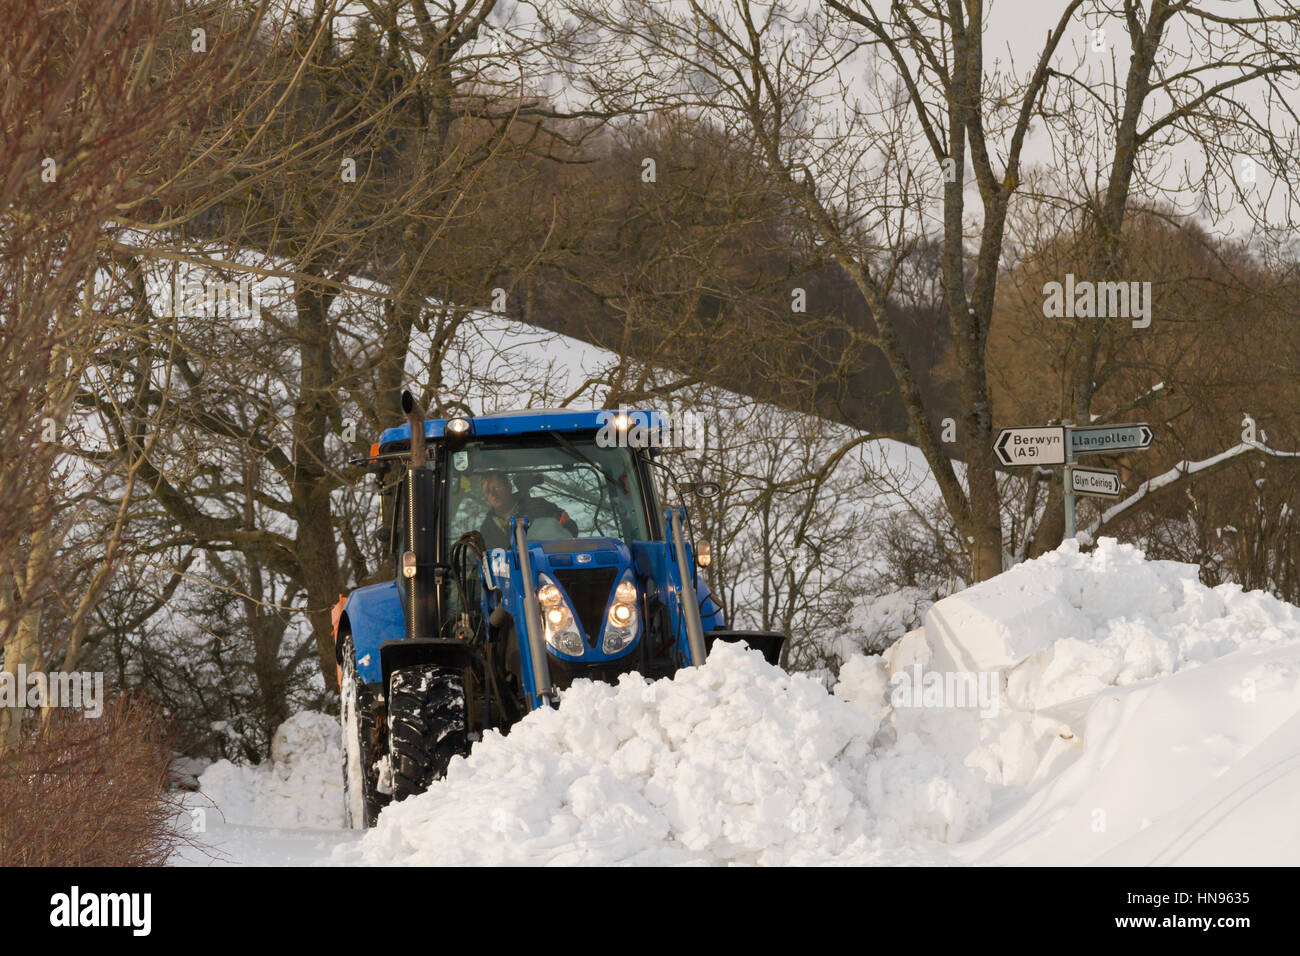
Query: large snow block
999	623
1063	595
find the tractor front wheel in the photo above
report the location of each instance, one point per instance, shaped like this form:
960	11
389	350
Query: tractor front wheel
426	726
362	800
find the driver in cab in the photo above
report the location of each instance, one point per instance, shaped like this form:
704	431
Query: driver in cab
548	521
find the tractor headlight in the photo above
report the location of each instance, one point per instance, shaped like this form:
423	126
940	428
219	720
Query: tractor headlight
548	595
558	626
456	432
621	626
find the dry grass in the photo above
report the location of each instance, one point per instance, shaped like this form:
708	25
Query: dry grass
84	792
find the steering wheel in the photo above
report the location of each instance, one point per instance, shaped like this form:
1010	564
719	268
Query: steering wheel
546	529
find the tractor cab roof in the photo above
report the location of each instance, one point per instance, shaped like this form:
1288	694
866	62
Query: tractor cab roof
526	421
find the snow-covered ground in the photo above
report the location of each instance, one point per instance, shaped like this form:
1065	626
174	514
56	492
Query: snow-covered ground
1080	708
300	786
278	813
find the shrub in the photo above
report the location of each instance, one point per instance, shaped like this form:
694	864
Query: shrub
83	792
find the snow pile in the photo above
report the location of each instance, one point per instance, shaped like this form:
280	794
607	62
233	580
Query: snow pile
1080	708
734	762
1069	624
877	621
300	786
1140	716
1200	768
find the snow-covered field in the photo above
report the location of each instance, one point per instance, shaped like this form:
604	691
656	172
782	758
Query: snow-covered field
1080	708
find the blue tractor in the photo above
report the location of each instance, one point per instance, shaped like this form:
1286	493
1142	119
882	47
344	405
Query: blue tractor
528	549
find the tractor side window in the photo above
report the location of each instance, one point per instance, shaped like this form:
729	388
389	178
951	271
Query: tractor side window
398	540
467	507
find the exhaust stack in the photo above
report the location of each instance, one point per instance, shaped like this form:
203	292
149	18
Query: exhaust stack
415	418
419	559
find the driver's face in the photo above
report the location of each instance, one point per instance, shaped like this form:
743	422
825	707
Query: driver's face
496	490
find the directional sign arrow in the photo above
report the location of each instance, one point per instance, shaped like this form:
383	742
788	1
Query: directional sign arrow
1102	482
1092	439
1036	445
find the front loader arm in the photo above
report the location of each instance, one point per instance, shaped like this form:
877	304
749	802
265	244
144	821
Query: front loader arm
543	691
687	603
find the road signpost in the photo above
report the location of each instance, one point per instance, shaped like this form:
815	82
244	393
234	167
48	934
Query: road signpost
1034	445
1062	444
1095	439
1098	482
1065	480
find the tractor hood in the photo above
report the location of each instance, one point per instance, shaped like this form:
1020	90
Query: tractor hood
587	571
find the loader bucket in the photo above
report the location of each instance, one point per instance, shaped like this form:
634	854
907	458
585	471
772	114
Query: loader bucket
768	643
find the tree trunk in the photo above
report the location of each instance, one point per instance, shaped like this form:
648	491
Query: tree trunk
316	546
1051	529
23	648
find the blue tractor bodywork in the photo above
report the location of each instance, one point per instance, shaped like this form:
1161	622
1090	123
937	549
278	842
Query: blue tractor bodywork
653	571
373	616
615	590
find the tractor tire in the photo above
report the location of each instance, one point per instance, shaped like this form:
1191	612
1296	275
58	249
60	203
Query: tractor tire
426	726
362	800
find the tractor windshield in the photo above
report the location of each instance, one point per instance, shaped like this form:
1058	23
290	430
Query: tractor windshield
568	486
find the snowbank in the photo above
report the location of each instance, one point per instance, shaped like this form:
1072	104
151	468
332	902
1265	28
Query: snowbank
877	621
734	762
1081	708
1069	624
1141	715
300	786
1201	768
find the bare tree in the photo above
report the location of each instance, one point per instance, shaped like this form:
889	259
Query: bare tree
93	96
361	160
866	121
1200	119
887	125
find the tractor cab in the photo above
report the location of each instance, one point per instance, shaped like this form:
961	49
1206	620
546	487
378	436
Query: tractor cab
580	495
568	487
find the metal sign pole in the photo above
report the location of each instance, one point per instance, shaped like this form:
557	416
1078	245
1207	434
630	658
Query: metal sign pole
1068	478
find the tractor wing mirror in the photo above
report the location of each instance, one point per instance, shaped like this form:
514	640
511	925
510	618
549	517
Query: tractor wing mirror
701	489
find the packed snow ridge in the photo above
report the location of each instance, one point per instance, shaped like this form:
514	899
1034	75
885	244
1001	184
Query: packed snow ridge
736	761
1079	708
300	786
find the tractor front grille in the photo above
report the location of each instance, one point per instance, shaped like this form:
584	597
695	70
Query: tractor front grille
588	591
